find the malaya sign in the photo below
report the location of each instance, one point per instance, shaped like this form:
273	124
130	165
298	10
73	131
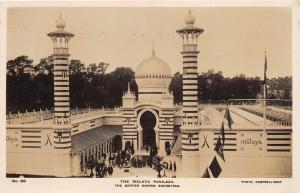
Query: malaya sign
249	141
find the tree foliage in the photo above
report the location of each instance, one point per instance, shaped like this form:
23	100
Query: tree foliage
30	86
213	87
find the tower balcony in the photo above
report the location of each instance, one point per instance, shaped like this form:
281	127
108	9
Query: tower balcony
60	50
190	47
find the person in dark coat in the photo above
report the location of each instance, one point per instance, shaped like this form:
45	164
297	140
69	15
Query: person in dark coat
105	170
174	166
97	170
170	166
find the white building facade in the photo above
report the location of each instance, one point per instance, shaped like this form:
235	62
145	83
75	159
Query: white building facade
148	121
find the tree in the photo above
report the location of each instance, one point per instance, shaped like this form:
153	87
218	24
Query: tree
101	68
176	87
78	83
43	83
19	66
19	84
45	66
97	69
31	86
116	84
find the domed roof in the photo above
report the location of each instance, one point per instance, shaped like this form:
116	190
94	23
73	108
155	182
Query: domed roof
153	66
60	23
189	19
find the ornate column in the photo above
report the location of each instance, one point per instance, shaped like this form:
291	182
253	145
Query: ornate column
190	125
62	121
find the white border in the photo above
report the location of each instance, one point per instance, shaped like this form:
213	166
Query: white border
289	185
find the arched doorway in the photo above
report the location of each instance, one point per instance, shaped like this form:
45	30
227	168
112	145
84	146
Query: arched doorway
148	122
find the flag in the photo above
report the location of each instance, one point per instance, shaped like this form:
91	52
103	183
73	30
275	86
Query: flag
219	149
223	133
132	144
265	71
215	168
227	116
206	174
265	75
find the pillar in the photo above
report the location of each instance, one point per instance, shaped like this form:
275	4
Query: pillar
190	126
62	122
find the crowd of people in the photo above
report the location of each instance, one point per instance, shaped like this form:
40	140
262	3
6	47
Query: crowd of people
125	159
100	166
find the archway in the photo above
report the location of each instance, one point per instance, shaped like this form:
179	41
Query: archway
148	123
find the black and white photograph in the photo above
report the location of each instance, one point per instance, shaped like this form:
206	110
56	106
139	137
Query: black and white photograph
149	94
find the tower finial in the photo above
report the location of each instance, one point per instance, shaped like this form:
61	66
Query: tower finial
153	48
60	23
189	19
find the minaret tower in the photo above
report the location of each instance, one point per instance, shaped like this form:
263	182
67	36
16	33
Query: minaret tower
190	124
62	116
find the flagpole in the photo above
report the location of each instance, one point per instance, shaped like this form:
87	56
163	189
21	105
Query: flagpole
264	130
265	107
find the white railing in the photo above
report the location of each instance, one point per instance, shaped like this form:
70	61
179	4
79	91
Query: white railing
60	50
39	116
190	47
29	117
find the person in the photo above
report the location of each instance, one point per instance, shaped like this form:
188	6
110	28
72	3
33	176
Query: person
170	166
97	170
109	170
105	170
174	166
85	170
164	173
81	164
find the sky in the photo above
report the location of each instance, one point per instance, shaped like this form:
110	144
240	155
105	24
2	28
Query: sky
234	39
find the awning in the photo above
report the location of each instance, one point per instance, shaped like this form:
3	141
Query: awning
89	138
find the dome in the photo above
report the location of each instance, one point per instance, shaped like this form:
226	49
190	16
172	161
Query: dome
60	23
153	75
153	67
189	19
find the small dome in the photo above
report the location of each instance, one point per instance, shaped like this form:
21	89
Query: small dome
189	19
153	67
60	23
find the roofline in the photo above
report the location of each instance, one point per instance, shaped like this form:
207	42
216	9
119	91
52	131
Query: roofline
60	33
190	29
